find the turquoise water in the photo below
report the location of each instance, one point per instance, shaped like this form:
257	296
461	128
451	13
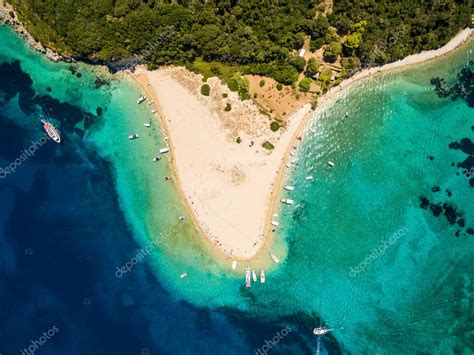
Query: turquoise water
389	138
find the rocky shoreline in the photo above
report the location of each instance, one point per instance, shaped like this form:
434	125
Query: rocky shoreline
8	17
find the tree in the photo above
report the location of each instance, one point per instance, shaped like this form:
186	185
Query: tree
205	90
305	84
298	62
332	51
353	41
312	68
285	74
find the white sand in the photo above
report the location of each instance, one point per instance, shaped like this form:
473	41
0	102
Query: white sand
228	186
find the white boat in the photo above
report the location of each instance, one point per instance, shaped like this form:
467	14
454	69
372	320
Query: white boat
275	223
183	275
53	133
330	163
182	218
274	258
321	331
155	159
309	178
254	276
147	125
247	277
153	111
287	201
262	276
150	102
133	136
141	99
289	188
234	264
164	150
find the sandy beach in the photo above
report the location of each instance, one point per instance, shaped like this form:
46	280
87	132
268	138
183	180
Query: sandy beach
232	188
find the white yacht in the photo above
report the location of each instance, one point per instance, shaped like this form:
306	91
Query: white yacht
53	133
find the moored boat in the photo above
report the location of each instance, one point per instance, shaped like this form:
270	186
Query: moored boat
309	178
274	258
321	331
262	276
330	163
155	159
289	188
275	223
234	264
287	201
164	150
247	277
183	275
52	132
147	125
254	276
133	136
141	99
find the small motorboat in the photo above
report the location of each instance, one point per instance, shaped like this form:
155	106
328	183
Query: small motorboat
262	276
275	223
141	99
274	258
309	178
182	218
287	201
321	331
147	125
289	188
133	136
155	159
166	178
234	264
150	102
164	150
254	276
331	164
247	277
183	275
153	111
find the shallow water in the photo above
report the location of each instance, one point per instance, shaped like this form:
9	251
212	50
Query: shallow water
96	201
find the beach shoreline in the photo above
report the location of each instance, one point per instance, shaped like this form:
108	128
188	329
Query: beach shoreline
303	116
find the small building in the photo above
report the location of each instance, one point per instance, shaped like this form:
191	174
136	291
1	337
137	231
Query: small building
302	52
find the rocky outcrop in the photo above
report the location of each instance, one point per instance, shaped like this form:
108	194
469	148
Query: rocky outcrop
8	17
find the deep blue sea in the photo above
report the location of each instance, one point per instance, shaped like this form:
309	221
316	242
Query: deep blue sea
379	247
63	234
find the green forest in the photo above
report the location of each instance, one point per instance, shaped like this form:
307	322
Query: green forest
248	36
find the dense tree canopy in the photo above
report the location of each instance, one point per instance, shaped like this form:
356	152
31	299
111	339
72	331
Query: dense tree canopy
254	36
